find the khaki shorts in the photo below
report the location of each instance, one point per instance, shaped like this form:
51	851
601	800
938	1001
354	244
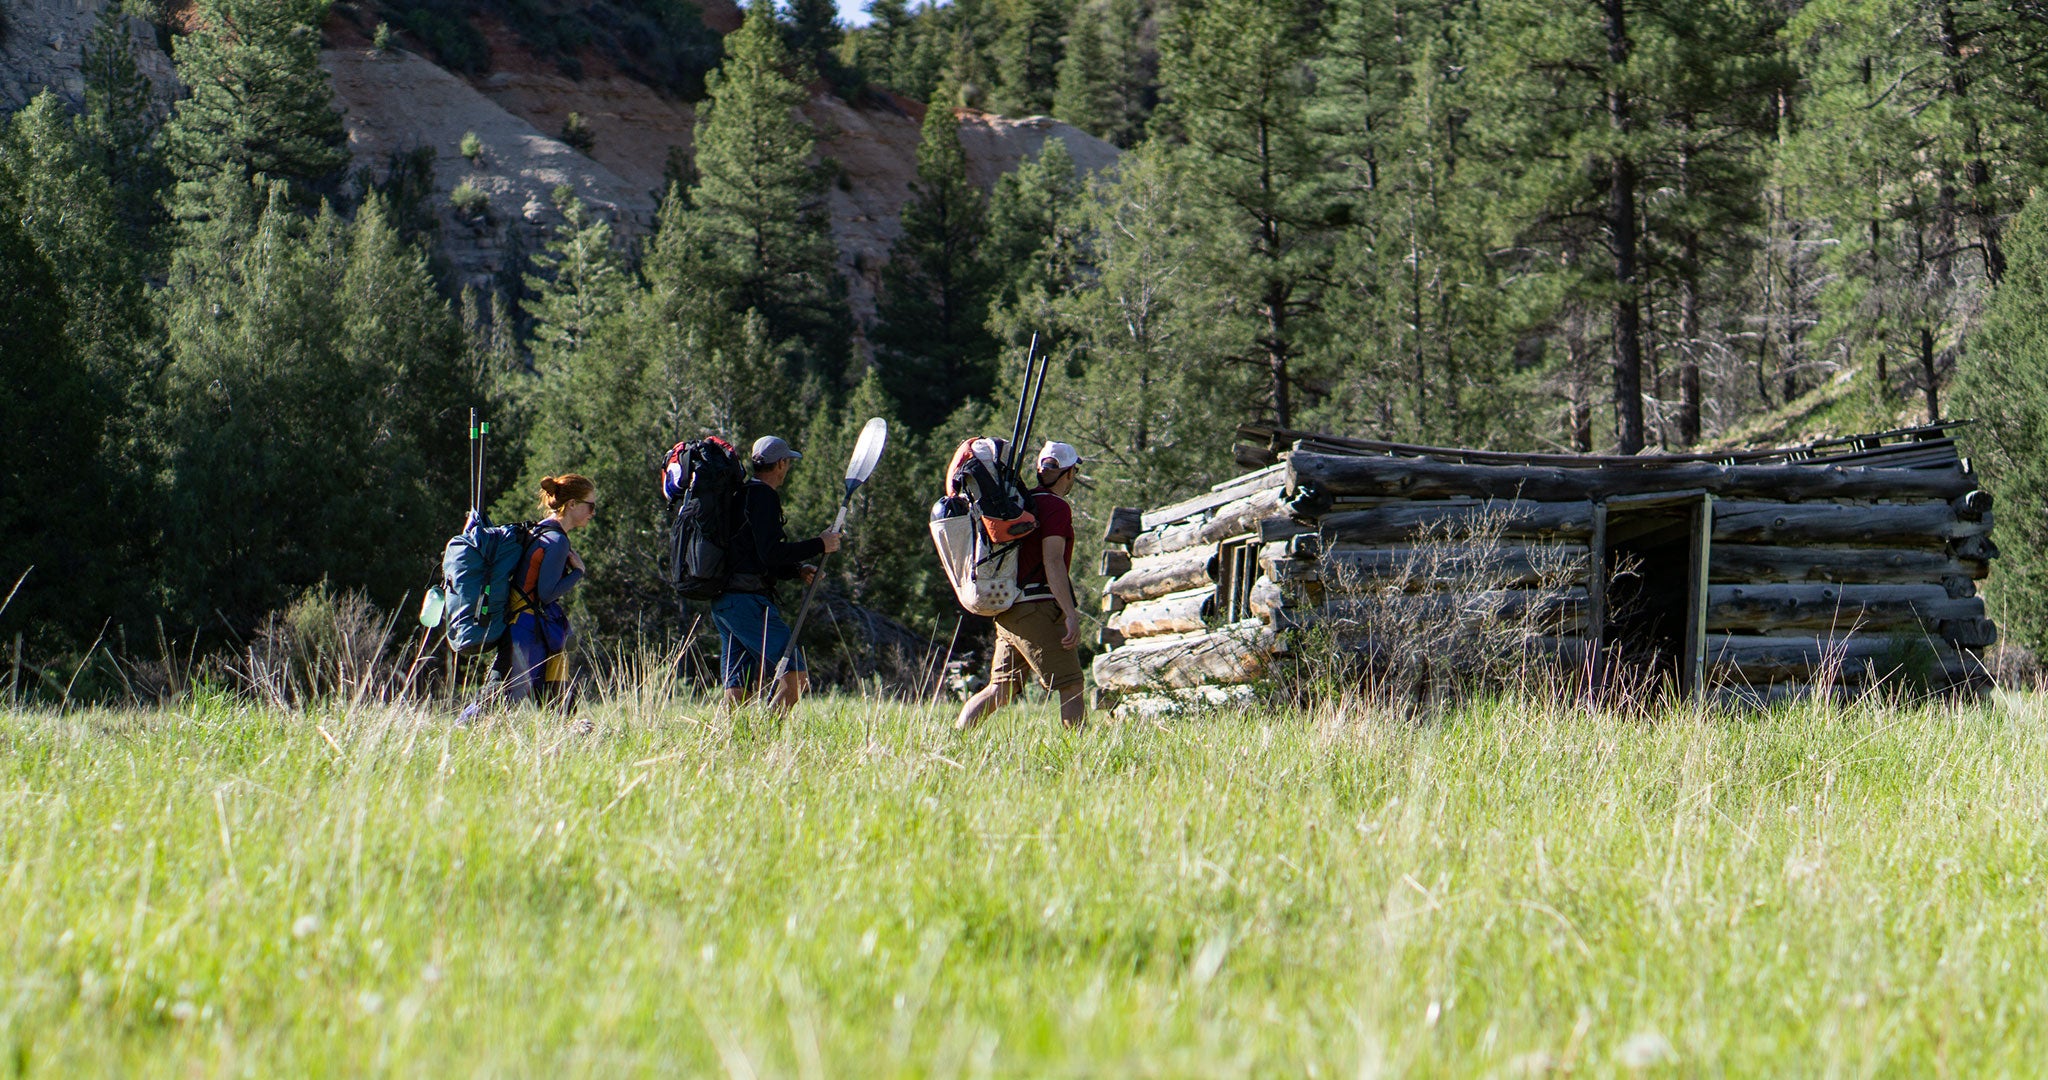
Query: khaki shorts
1029	635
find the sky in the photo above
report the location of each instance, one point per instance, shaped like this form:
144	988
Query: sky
853	12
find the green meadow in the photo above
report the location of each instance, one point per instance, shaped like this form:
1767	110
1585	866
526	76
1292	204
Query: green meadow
1521	888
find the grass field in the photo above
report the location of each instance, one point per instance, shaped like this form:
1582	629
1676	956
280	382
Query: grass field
222	889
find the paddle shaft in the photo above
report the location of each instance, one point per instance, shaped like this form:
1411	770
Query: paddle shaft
803	610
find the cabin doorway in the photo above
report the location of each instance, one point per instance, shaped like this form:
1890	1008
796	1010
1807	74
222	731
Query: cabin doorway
1649	588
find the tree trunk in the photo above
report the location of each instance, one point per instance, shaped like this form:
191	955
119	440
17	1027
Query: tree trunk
1927	373
1621	234
1689	355
1581	409
1277	358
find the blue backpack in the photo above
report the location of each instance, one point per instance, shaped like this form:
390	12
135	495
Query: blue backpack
477	570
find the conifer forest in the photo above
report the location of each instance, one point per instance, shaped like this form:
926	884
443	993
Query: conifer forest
237	370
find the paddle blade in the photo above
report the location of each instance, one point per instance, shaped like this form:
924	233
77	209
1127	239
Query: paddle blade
867	451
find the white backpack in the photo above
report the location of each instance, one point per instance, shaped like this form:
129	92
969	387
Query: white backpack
979	553
984	582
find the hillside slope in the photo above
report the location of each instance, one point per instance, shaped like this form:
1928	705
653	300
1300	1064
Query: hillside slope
399	100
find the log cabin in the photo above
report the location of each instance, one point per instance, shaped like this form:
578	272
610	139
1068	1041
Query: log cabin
1831	566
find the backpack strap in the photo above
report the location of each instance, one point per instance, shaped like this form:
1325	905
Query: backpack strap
529	536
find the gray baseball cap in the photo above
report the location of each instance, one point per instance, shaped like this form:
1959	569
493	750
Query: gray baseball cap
769	449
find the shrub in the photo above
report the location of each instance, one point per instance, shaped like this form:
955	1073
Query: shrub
472	148
325	644
470	200
381	39
1465	613
448	34
576	132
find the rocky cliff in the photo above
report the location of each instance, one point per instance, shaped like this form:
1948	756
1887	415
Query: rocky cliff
397	100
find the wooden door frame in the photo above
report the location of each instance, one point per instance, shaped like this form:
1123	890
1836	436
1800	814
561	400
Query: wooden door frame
1692	670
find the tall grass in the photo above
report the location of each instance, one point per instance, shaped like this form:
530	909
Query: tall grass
1512	888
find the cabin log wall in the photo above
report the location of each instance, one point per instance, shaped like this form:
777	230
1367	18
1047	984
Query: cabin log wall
1818	574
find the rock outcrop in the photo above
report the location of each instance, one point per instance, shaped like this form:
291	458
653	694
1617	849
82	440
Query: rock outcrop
394	102
42	45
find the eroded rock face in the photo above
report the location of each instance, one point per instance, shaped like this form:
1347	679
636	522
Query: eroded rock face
42	45
396	101
875	149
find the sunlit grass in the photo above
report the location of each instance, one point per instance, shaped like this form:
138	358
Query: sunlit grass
859	891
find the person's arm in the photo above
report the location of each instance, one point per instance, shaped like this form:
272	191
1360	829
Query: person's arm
778	554
1062	587
556	576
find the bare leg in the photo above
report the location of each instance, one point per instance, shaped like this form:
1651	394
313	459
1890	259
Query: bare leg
1073	707
991	697
790	689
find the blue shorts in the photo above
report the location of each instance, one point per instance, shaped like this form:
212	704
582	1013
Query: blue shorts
531	652
751	637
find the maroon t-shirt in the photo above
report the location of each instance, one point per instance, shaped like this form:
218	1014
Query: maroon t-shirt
1055	518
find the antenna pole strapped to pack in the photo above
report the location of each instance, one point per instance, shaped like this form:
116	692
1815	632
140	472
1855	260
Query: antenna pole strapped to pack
1027	403
476	469
1031	420
866	452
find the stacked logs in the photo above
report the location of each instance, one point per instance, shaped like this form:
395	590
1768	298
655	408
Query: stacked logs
1843	572
1168	633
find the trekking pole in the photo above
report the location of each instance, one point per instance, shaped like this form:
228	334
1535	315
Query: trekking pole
866	452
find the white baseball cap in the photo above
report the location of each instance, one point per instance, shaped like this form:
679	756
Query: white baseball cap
1059	455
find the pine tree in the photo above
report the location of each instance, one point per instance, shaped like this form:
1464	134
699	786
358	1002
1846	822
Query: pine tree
404	349
1425	351
595	405
1037	231
758	207
814	34
966	40
120	123
1134	68
75	215
2003	382
254	398
1591	121
933	347
580	286
1236	85
260	105
1919	135
922	70
880	51
1153	386
1027	56
53	494
580	293
1719	105
717	369
876	568
903	50
1086	97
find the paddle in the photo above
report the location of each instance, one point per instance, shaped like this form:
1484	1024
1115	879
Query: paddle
866	452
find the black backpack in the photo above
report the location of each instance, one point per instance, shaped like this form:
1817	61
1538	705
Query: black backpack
702	482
